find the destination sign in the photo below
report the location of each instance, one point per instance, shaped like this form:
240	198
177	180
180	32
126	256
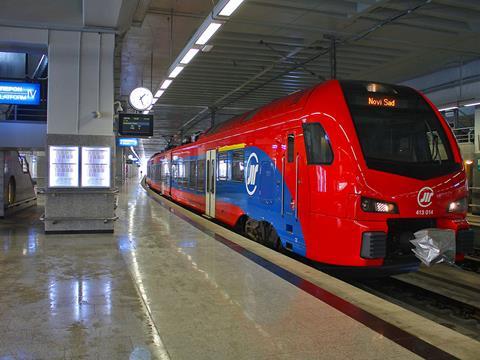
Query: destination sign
138	125
18	93
387	102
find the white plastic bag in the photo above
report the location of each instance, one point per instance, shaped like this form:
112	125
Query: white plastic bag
433	246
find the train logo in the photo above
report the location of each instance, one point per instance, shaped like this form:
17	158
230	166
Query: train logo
251	171
424	197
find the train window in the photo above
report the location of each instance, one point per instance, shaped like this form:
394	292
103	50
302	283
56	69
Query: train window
174	171
192	179
291	147
238	165
317	143
223	165
184	168
201	175
161	171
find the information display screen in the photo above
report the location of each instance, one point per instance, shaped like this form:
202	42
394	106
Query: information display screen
63	166
18	93
137	125
96	167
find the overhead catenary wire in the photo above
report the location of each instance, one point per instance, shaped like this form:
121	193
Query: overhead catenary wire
219	104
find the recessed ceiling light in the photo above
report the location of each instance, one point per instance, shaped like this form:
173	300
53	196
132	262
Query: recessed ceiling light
472	104
448	108
231	6
208	33
189	56
176	71
166	84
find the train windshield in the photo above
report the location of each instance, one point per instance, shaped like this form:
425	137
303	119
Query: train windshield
398	131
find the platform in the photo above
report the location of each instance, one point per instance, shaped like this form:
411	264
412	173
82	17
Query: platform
164	287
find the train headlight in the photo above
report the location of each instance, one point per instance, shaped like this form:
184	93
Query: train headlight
458	206
377	206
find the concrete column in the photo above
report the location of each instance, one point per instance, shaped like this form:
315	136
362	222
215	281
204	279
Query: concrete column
80	113
2	184
41	170
119	166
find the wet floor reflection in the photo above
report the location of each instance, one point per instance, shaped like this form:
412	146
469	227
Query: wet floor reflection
67	296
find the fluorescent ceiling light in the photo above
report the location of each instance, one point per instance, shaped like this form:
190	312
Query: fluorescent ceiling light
448	108
166	84
189	56
176	71
208	33
150	107
155	99
472	104
146	112
158	94
231	6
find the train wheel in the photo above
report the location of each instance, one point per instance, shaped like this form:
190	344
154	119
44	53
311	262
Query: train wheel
262	232
11	191
272	238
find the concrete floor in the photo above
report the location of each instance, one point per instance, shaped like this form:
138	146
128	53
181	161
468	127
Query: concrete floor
159	288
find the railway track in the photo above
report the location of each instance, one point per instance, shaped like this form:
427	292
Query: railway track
446	295
471	263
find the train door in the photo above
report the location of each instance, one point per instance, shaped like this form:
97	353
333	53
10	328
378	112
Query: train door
168	174
291	172
210	183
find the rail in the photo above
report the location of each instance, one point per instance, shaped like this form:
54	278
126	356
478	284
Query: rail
56	220
22	202
471	191
464	135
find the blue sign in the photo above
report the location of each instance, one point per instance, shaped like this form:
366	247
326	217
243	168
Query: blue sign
18	93
127	142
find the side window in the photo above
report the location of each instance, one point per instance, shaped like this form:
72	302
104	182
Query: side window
238	165
192	180
174	171
201	175
290	147
159	171
222	171
317	143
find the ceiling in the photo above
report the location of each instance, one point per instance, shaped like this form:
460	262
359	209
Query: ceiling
270	48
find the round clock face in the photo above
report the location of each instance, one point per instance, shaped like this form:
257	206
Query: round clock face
141	98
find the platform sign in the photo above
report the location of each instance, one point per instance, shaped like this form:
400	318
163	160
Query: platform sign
63	166
18	93
138	125
96	167
126	142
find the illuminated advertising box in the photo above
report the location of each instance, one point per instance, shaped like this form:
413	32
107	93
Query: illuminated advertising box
18	93
63	166
96	167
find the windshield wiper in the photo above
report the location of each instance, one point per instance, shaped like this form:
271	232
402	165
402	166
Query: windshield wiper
436	151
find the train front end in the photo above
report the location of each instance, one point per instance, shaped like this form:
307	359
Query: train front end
401	171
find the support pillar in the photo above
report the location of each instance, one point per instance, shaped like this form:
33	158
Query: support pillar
80	116
119	166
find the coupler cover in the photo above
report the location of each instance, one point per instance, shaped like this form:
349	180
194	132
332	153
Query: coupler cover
433	246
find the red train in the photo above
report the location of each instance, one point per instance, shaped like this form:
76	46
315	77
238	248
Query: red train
343	173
